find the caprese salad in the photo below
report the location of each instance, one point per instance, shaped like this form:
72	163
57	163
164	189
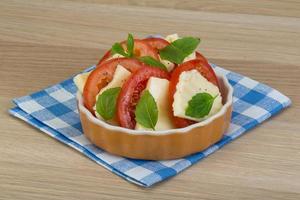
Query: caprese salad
151	84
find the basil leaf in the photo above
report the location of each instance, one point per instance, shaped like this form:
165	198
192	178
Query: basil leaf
106	103
117	48
200	105
146	112
130	45
179	49
171	53
187	44
152	62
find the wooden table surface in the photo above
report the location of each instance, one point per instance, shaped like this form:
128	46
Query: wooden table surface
43	42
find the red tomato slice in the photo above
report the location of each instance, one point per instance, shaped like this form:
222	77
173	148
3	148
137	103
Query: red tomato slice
131	91
204	68
104	58
199	56
102	75
156	43
141	48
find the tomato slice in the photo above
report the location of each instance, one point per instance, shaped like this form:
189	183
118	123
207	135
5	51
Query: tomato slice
156	43
204	68
141	48
199	56
131	92
104	58
102	75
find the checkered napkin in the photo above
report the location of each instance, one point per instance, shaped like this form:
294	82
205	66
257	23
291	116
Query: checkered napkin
53	111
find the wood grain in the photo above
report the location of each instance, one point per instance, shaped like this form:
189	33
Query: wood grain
43	42
263	7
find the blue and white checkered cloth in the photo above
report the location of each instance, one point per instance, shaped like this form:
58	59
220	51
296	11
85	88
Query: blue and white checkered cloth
54	111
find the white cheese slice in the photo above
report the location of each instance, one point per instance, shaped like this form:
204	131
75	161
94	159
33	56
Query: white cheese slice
120	76
190	83
169	65
80	80
116	55
192	56
159	88
171	38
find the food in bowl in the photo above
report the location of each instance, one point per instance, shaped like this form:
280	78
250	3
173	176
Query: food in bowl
154	83
145	88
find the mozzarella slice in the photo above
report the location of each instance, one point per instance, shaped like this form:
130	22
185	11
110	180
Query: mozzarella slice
169	65
116	55
190	83
171	38
158	88
120	76
80	80
192	56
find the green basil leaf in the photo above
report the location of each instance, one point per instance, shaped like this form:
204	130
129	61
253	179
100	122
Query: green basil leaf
106	103
146	112
117	48
200	105
130	45
152	62
179	49
187	44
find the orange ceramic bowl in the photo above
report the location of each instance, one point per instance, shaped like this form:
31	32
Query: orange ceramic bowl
159	145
